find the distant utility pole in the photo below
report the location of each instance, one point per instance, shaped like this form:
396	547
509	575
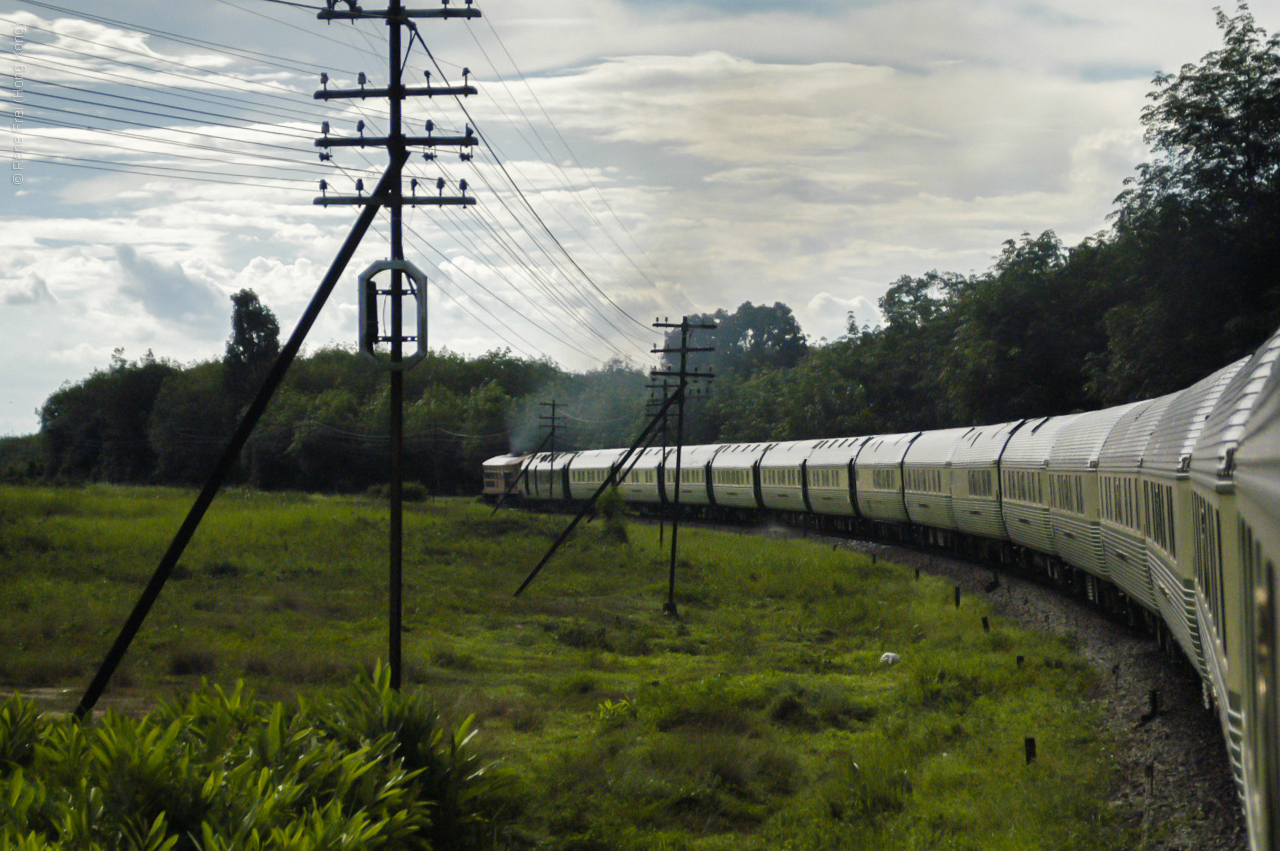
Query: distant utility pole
683	374
552	423
396	143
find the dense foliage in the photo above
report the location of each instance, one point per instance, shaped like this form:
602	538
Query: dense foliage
368	769
1185	280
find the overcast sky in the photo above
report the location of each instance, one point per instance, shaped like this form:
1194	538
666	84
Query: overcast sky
686	155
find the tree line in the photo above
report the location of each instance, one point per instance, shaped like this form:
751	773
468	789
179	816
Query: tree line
1185	279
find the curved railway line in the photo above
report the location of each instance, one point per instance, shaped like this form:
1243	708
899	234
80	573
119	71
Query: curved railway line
1164	511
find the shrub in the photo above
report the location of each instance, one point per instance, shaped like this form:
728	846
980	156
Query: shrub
373	769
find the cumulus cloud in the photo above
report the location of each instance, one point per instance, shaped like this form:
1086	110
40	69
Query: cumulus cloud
33	290
830	316
804	151
166	292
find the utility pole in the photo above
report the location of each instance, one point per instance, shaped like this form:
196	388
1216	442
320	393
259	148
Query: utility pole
552	423
683	374
396	143
389	194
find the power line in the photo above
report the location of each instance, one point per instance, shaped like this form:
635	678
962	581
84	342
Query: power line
254	55
31	106
141	100
297	5
290	95
45	157
520	192
257	185
574	156
214	98
158	141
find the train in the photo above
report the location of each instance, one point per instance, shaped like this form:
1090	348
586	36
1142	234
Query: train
1166	509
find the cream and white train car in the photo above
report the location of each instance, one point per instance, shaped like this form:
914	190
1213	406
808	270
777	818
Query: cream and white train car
640	479
1216	550
1124	547
1167	464
694	463
501	472
544	477
1024	483
975	482
1257	477
927	475
1072	483
829	475
782	476
879	477
733	474
588	470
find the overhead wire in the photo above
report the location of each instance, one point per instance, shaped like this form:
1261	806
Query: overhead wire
158	141
552	160
169	168
134	83
112	167
244	102
603	339
251	128
311	177
254	55
145	101
31	106
573	155
525	200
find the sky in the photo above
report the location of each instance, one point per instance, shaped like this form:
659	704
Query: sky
643	158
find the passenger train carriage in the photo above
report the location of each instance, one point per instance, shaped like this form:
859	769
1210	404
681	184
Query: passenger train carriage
1168	507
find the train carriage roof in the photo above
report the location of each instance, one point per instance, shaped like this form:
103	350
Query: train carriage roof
1029	447
792	453
651	458
886	449
1078	444
694	456
1226	425
504	460
1258	456
551	460
1126	446
1180	428
737	456
593	458
935	448
981	446
836	451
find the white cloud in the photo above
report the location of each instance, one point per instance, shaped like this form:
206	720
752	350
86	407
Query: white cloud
33	290
829	316
806	151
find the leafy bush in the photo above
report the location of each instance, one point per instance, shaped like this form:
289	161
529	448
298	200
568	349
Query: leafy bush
372	769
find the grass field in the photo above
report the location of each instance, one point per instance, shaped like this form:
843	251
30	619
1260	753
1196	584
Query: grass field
762	719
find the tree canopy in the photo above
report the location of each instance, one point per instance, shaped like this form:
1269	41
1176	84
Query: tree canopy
1185	280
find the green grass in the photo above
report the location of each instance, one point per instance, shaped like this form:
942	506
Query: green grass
762	719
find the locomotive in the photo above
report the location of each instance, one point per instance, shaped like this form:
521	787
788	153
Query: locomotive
1168	509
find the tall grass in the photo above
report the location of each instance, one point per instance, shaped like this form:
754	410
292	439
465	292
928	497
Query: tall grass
763	718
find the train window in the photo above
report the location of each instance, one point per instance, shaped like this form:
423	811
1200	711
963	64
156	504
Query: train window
981	483
1207	539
